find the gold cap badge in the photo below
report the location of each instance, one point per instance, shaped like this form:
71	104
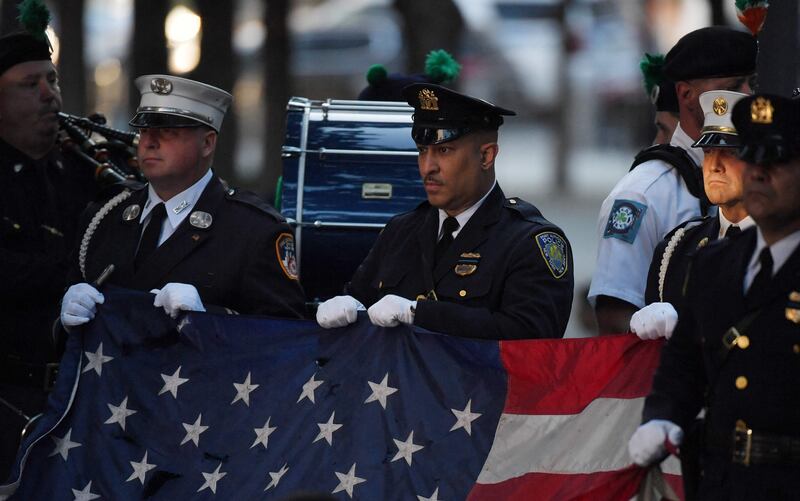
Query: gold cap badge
720	106
761	111
428	100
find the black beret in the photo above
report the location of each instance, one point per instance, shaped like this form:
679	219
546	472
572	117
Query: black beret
22	47
712	52
442	114
664	97
768	127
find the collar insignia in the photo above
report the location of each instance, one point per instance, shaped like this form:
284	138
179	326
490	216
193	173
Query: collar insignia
180	207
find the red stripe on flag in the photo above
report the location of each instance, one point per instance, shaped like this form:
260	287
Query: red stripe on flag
611	485
562	376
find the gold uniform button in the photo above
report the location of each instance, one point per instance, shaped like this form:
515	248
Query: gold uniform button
462	293
796	348
743	342
741	382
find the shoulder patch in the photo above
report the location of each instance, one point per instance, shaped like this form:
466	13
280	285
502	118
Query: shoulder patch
554	251
284	250
253	200
624	220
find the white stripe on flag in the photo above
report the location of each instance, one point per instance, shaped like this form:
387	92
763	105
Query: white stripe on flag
593	441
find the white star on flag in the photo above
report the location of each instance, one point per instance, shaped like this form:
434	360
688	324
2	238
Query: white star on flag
465	418
96	360
262	434
85	494
348	481
193	431
326	430
434	496
120	414
406	449
243	391
172	382
380	391
276	476
63	445
140	469
308	389
212	479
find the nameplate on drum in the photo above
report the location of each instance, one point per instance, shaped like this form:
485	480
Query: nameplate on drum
381	191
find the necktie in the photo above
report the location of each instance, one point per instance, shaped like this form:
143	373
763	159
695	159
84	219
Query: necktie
762	280
152	232
448	227
732	231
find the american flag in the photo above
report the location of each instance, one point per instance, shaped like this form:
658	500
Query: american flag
238	407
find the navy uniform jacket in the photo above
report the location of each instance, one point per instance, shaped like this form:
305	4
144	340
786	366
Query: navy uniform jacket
244	261
40	206
507	275
769	365
698	233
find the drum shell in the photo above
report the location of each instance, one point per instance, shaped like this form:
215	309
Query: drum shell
348	167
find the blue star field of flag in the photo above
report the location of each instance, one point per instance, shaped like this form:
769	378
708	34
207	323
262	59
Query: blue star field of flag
229	407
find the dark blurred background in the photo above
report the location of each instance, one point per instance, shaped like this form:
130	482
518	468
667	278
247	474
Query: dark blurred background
568	67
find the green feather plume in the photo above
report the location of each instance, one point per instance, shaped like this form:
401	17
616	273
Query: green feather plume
744	4
34	16
376	74
652	66
441	67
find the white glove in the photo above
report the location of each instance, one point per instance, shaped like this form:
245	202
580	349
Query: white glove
175	297
654	321
79	305
392	310
646	446
338	311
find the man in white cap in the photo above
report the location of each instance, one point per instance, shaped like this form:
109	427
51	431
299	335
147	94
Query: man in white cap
722	181
185	236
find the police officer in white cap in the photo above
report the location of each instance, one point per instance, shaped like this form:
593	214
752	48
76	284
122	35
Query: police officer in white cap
185	236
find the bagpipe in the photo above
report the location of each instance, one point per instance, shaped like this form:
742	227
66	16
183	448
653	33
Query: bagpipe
110	152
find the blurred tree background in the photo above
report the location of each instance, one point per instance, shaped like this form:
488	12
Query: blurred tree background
548	59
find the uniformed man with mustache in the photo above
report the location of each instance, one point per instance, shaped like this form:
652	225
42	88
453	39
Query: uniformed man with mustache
469	261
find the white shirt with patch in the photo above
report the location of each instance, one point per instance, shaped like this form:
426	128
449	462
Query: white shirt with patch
641	209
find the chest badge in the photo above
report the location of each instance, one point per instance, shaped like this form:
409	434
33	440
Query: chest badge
792	311
200	219
467	264
131	212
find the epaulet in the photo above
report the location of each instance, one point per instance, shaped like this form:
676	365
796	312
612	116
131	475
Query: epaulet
252	200
527	210
112	190
688	225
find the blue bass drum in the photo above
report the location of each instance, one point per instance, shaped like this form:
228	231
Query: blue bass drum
348	167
